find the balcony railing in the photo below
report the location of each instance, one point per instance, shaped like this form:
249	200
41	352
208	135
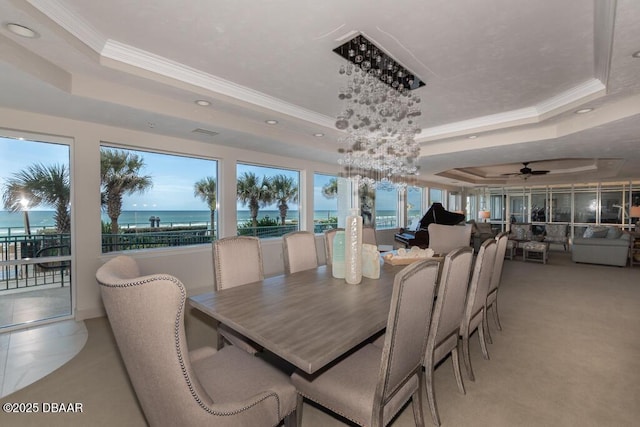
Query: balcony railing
31	261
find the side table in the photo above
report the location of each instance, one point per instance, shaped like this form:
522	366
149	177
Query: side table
634	248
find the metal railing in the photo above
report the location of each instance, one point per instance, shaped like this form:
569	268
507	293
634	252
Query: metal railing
30	261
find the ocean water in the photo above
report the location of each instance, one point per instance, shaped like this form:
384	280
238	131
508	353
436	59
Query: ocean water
13	222
44	219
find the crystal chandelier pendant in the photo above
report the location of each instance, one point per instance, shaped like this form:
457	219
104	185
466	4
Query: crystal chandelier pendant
378	116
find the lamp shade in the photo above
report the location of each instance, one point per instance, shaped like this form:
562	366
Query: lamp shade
634	212
484	214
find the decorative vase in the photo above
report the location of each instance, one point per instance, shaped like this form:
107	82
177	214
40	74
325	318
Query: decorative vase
370	261
337	260
353	248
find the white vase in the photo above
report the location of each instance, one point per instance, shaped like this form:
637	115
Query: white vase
337	260
353	248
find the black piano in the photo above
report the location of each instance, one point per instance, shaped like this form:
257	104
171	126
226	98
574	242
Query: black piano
436	214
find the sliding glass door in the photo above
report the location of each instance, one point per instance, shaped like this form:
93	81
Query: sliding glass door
35	231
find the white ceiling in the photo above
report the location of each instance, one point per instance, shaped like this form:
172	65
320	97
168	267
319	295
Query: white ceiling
511	72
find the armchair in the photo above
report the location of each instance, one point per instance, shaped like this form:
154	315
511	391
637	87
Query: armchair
557	233
520	231
205	387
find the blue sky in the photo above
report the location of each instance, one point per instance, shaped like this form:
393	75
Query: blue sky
173	176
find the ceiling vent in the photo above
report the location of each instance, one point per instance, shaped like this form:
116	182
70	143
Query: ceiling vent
205	132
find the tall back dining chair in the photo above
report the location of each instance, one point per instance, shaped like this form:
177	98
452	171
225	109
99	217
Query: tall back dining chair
175	387
299	250
372	384
445	238
237	260
496	277
329	235
448	309
474	312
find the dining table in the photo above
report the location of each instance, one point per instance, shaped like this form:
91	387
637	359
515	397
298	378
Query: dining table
308	318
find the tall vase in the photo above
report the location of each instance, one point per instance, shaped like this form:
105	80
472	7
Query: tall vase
353	248
337	263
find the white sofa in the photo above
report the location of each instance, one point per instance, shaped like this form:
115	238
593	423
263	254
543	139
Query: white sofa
602	245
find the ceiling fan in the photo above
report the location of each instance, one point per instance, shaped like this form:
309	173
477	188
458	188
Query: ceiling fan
526	171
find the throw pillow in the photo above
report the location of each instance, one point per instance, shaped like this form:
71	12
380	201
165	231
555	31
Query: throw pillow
520	233
595	232
614	233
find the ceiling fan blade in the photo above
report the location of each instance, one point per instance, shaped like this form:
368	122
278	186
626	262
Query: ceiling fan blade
539	172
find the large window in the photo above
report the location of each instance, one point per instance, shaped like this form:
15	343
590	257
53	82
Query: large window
386	202
586	205
414	205
325	202
152	200
611	205
35	230
436	195
268	200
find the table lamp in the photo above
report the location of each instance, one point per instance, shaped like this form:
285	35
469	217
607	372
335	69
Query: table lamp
634	212
484	215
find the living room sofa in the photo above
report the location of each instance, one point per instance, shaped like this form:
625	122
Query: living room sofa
602	245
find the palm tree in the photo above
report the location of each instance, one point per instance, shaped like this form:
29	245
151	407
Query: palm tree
330	189
255	193
120	175
206	190
41	185
284	190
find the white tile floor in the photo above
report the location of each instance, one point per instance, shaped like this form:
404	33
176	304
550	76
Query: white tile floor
29	354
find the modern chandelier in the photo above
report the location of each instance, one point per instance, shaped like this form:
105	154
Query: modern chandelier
378	116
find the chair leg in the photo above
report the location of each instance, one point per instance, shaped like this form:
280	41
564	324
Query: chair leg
416	401
485	326
483	342
455	360
299	402
431	396
496	318
220	342
291	420
466	356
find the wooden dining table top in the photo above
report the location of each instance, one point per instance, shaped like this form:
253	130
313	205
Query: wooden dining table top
308	318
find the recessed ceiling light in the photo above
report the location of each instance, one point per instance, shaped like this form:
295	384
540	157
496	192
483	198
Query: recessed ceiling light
271	122
584	110
472	136
318	134
636	54
202	103
22	31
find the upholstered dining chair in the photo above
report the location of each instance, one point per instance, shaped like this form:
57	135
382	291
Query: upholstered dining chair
175	387
372	384
474	312
445	238
299	250
492	296
448	309
237	260
329	235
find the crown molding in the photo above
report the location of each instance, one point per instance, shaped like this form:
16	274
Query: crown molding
72	22
543	110
603	29
480	124
577	94
158	65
